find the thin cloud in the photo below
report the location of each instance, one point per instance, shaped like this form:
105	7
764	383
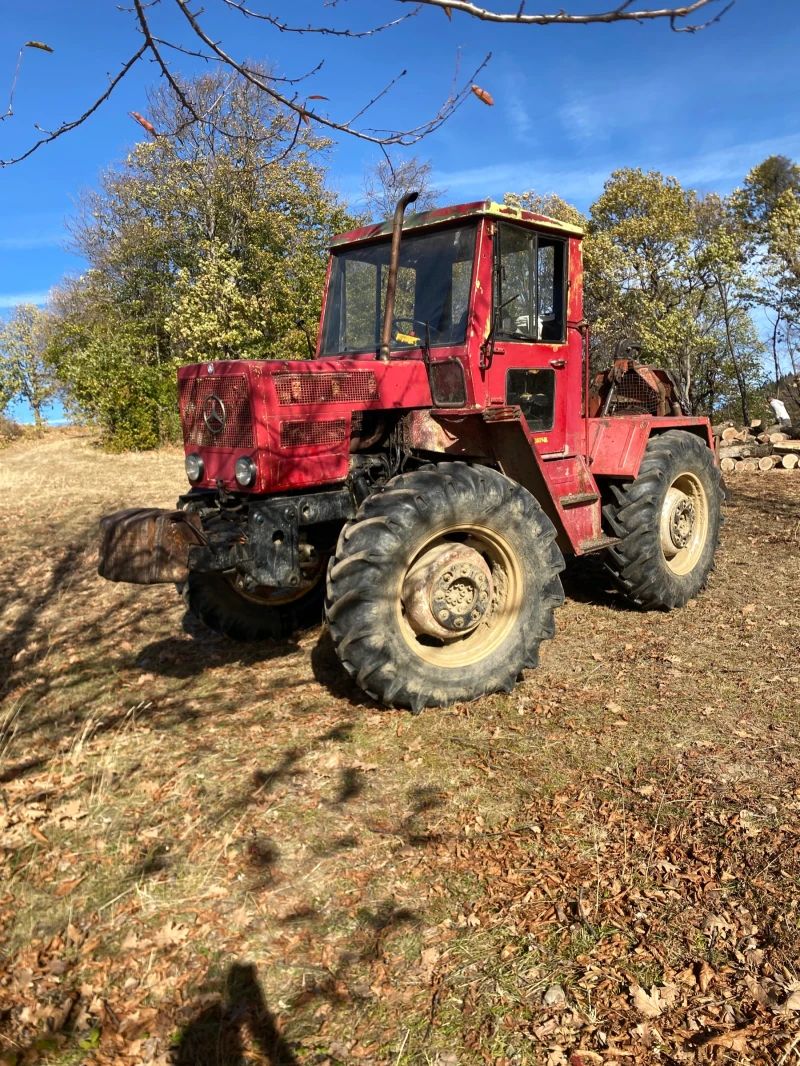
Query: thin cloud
12	299
722	168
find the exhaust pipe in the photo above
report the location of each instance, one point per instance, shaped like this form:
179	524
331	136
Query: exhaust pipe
391	282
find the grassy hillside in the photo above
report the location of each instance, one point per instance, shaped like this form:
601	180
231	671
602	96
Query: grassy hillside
213	853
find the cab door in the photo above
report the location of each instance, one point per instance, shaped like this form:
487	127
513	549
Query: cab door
529	361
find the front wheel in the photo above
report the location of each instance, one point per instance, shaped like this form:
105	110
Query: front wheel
443	587
223	604
668	522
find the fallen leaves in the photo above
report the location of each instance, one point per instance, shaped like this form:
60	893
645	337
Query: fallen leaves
66	887
652	1004
509	895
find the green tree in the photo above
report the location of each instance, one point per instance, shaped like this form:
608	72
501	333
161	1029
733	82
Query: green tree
768	209
25	373
549	204
207	242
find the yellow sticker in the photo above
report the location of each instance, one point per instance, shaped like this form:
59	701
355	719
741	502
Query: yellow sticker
540	440
406	338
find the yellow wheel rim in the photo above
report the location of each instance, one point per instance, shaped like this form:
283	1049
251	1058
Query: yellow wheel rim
502	615
267	596
684	523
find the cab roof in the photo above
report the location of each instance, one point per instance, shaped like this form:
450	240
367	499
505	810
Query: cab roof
478	209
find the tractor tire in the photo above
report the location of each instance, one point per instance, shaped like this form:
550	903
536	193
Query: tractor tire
454	542
668	521
213	600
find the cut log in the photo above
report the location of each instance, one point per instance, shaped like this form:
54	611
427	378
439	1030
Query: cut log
756	425
750	466
766	462
738	466
763	437
784	446
727	466
789	461
743	435
751	450
776	438
717	430
730	433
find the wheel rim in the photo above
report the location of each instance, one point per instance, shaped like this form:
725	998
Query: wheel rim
269	596
684	523
485	580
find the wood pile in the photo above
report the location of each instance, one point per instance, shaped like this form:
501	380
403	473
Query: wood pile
756	448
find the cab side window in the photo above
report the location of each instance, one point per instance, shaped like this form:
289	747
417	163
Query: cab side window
534	392
530	286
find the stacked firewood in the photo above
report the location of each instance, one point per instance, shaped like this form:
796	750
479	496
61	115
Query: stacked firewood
758	447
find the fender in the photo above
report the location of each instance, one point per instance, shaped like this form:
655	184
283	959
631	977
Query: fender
616	445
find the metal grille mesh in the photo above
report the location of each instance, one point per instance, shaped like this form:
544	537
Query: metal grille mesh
634	396
298	434
356	386
194	397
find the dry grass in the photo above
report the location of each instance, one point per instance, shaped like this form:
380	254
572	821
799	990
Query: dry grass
225	854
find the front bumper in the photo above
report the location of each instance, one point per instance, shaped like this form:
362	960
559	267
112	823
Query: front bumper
147	545
266	541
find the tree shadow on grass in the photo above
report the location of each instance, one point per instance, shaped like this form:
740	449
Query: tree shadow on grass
180	658
216	1037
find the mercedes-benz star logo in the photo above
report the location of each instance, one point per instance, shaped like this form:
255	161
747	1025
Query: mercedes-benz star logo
214	414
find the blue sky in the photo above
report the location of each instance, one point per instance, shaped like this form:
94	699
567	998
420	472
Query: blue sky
572	103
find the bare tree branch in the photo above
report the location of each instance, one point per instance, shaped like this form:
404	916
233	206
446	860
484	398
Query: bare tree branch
211	51
238	5
45	48
405	137
66	127
564	18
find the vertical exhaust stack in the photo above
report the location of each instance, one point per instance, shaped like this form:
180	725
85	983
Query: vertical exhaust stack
391	282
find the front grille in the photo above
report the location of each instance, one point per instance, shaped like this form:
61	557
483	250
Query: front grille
298	434
195	396
357	386
633	396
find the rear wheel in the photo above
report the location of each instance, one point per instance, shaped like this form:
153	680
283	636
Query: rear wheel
443	587
221	602
668	522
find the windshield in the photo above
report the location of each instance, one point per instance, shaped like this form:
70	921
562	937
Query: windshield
433	287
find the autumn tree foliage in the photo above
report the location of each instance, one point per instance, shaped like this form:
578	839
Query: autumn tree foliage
207	241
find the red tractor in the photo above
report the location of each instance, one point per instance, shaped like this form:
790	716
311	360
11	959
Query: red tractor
422	478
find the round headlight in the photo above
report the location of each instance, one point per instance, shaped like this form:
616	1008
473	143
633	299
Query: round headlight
194	467
245	471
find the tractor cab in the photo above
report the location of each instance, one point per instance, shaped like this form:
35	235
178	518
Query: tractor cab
487	295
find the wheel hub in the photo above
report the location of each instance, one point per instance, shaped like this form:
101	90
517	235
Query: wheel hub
448	591
677	522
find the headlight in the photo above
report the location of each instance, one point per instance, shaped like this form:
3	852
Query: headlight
194	467
245	471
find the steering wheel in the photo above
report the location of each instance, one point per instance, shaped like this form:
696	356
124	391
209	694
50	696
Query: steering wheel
413	322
